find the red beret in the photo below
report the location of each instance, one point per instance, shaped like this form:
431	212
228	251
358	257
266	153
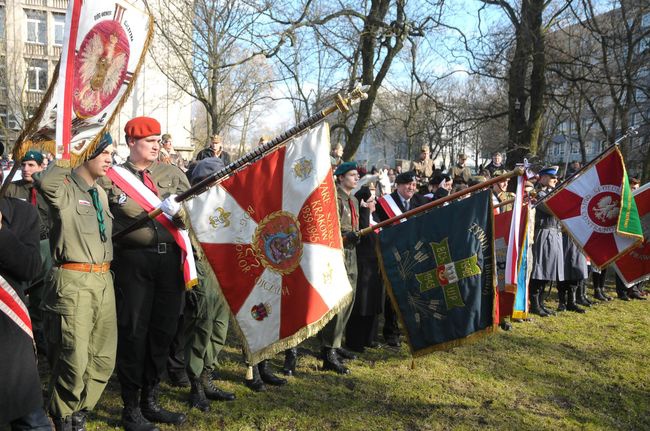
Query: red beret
141	127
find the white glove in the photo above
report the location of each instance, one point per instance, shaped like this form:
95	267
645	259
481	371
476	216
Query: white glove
170	207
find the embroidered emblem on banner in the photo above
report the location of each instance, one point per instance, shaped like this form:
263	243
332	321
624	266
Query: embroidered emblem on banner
260	311
278	243
220	219
303	168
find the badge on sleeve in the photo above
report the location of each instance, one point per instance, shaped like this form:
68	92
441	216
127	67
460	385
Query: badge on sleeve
121	199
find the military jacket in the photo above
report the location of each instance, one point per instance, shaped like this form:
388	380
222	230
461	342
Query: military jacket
22	190
168	179
423	169
458	172
544	219
345	213
74	235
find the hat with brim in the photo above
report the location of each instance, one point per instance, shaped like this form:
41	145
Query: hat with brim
551	171
405	178
345	167
101	146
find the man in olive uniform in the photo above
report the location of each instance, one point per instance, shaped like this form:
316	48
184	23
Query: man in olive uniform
331	336
79	298
148	274
548	249
423	168
460	173
24	189
500	193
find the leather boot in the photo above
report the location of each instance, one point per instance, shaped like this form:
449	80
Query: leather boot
211	391
541	297
561	296
154	412
598	294
132	419
197	395
332	362
534	300
581	295
345	354
267	375
571	300
63	424
633	293
290	360
255	382
79	421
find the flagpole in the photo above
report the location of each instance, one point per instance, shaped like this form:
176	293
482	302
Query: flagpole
340	104
438	202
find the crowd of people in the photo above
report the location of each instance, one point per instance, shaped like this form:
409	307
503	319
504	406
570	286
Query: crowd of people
100	303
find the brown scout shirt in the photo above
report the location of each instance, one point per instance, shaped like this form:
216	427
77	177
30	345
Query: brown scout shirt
74	236
169	180
22	190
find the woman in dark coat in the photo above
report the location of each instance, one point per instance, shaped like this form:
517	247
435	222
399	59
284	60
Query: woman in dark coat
20	261
369	298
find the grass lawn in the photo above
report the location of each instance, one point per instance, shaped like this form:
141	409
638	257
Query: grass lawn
589	371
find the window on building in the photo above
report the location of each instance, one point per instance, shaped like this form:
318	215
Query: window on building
2	22
644	45
36	26
37	75
7	120
59	28
636	119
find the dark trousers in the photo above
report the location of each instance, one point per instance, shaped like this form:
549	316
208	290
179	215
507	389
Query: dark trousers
361	331
149	291
176	360
391	328
35	421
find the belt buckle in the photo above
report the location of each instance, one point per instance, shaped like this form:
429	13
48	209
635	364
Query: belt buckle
162	248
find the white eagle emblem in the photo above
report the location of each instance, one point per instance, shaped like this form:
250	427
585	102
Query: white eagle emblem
606	209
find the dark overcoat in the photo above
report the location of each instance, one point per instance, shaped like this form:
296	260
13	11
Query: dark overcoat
548	251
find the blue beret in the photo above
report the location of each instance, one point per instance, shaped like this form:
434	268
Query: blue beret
344	168
549	170
101	146
33	155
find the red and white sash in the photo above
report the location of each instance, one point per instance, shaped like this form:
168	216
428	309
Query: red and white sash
390	206
14	308
143	196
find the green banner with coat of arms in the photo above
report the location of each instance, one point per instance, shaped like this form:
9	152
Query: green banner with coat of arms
439	268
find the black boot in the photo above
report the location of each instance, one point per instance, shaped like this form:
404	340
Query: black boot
542	297
571	300
599	294
345	354
79	421
197	395
154	412
534	300
290	360
633	293
581	295
132	419
63	424
332	362
213	392
561	296
255	383
267	375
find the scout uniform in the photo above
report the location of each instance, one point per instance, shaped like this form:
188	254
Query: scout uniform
348	210
79	300
460	173
25	190
149	286
423	168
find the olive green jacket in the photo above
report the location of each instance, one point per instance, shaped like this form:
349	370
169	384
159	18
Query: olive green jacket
22	189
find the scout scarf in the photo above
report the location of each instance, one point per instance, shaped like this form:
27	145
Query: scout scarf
146	198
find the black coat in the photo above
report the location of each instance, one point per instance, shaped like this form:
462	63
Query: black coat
416	201
20	261
369	296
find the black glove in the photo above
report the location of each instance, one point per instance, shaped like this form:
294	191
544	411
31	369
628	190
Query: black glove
191	299
351	238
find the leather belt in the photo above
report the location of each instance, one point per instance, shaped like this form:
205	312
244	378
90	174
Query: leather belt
87	267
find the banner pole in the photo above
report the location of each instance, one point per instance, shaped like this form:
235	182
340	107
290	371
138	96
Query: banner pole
441	201
340	104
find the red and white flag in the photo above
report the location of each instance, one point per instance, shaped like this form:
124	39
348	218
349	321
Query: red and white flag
272	236
634	267
597	210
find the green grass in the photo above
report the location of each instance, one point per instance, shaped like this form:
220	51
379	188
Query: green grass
571	371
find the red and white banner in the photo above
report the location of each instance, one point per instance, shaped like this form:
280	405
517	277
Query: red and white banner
14	308
592	206
634	267
272	236
148	201
104	46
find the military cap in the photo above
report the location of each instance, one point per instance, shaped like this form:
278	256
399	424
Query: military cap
405	178
101	146
205	168
498	172
549	170
477	179
424	148
36	156
141	127
345	167
462	156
